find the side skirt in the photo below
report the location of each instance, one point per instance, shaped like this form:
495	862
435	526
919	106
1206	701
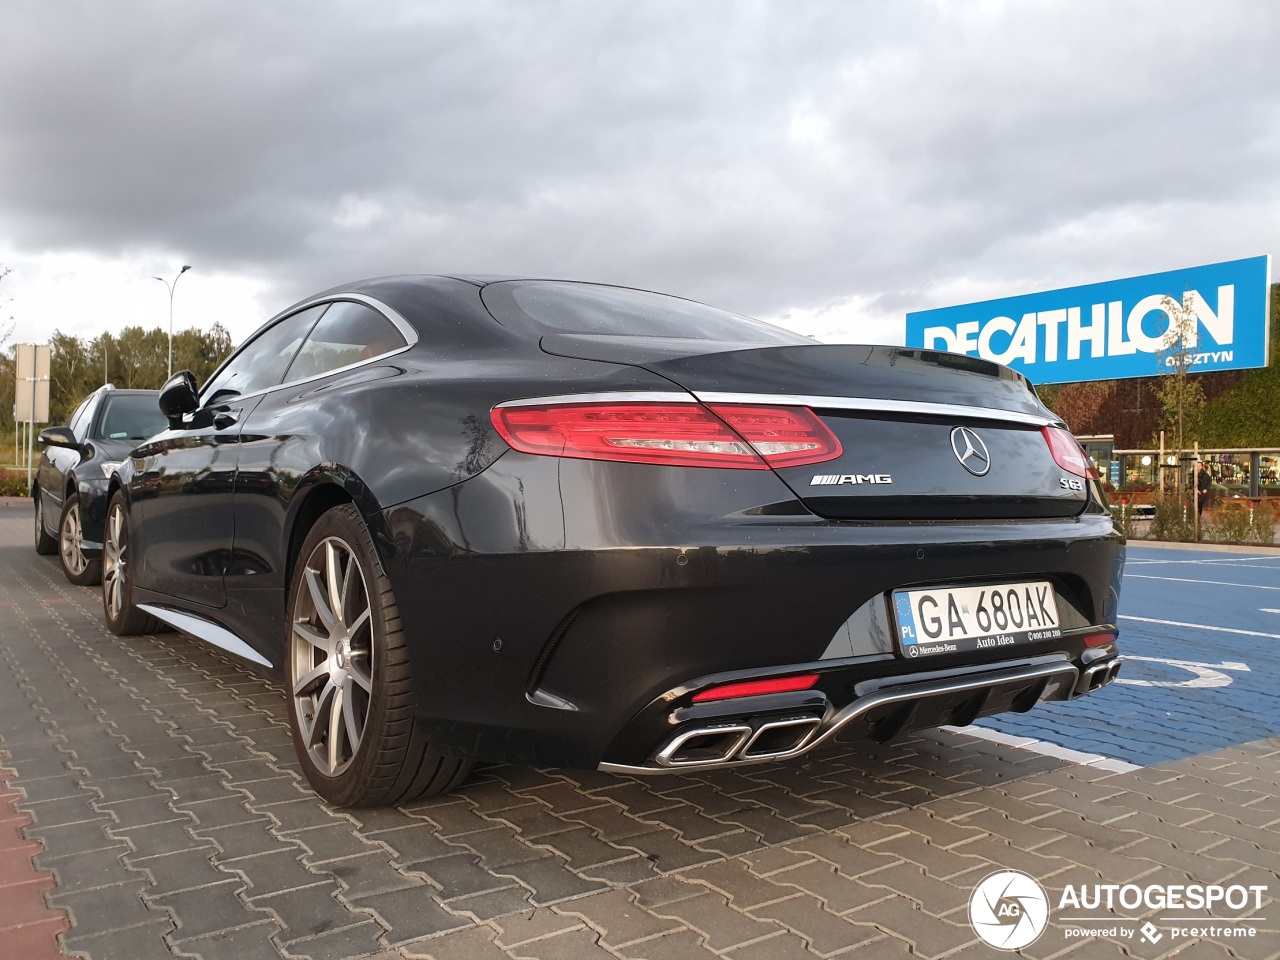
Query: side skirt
207	631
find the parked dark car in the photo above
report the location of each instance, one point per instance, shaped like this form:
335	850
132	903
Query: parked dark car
562	523
70	491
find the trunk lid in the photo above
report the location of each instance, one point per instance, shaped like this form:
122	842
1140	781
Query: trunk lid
926	435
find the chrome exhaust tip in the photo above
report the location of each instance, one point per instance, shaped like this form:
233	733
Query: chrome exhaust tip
714	743
1098	676
779	737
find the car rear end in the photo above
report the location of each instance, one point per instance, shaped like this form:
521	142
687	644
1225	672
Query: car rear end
773	547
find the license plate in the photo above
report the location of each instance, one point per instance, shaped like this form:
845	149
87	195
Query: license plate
954	619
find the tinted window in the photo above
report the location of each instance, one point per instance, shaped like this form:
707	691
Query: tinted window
558	307
131	417
347	333
78	424
90	410
261	363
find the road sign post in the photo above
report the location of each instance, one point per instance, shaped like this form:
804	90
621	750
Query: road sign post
31	391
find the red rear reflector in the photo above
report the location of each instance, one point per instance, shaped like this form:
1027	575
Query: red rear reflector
1099	639
1068	454
753	688
674	434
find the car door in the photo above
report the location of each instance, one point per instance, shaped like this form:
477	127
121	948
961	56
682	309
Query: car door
182	490
57	462
306	421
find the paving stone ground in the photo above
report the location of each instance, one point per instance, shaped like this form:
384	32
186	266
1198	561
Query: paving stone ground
156	804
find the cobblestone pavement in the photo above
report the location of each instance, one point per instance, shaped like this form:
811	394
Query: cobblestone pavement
157	810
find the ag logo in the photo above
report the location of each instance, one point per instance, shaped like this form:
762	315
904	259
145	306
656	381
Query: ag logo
1009	910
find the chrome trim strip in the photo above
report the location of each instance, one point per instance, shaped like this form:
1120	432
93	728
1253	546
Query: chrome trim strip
863	705
925	407
621	396
206	631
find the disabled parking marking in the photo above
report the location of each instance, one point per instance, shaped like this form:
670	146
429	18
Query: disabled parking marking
1170	614
1205	626
1206	674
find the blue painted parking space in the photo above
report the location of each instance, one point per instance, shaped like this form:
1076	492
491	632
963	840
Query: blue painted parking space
1200	632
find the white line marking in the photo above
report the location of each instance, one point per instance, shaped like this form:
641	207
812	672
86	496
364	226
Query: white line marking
1203	626
1267	610
1217	583
1242	562
1047	749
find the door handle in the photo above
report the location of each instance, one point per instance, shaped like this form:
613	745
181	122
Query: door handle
225	418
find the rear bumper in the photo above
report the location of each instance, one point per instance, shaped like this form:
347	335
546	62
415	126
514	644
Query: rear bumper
564	612
878	714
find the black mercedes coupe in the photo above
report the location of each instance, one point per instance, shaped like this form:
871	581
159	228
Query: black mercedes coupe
561	523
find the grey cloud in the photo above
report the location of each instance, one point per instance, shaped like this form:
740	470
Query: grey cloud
761	155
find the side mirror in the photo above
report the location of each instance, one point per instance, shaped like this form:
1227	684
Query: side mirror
59	437
178	396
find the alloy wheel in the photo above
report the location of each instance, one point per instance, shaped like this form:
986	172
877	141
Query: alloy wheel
331	645
70	536
114	561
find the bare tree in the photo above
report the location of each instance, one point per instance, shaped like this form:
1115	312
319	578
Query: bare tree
1181	395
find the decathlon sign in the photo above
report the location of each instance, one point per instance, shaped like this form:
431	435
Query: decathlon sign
1121	328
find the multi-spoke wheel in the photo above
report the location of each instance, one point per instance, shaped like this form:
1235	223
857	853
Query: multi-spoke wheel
80	570
123	618
46	545
350	684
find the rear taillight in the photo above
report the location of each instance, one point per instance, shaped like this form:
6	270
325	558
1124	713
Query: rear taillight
1068	454
689	434
754	688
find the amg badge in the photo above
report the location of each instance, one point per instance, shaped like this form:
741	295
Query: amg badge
832	479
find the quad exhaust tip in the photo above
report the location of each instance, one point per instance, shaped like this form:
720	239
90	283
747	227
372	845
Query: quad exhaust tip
1098	676
721	742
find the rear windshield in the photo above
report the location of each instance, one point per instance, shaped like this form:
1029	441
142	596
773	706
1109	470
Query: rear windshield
551	306
134	416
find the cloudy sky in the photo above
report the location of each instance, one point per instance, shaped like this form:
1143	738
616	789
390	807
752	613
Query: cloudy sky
828	164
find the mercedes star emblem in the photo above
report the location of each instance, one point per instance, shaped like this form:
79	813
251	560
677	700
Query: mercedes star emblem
970	451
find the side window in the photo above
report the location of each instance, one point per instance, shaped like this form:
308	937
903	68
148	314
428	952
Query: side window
76	424
261	363
83	419
348	333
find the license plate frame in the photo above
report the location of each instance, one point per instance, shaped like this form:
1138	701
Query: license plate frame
961	618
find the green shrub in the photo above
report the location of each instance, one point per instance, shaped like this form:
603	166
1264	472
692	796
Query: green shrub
1262	528
1233	524
1125	521
13	483
1173	520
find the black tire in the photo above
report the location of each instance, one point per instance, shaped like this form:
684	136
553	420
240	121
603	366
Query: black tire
124	619
46	545
344	635
81	570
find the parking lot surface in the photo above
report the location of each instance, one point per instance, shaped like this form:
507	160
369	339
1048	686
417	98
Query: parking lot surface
154	809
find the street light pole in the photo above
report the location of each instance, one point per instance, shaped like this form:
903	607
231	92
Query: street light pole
171	287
